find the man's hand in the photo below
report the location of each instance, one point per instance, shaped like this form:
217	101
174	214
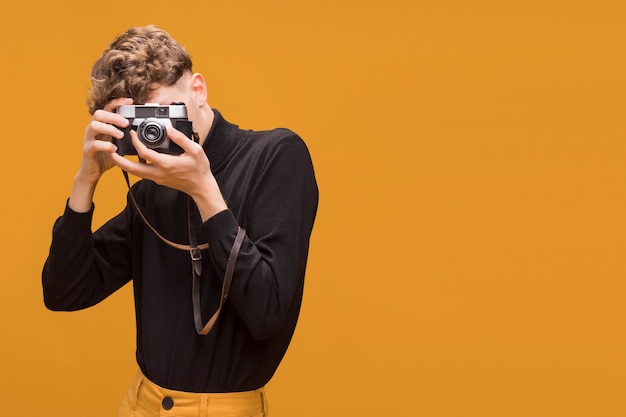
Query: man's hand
189	172
97	150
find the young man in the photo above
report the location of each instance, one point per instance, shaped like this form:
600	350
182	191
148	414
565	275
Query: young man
248	201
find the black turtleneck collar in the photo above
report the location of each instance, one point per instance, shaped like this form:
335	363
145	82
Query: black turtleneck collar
219	141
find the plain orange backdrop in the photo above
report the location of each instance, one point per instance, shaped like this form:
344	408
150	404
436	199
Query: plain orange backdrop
468	256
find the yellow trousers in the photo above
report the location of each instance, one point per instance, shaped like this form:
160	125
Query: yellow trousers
146	399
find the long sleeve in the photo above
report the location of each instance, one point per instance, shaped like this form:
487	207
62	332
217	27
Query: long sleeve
278	219
84	268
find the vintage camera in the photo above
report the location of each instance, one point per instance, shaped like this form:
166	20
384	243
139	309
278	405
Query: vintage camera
151	121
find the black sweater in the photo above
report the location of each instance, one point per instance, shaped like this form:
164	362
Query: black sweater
268	182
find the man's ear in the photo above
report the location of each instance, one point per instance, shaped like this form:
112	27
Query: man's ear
198	86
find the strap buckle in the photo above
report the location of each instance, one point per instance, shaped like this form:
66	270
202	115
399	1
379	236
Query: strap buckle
196	254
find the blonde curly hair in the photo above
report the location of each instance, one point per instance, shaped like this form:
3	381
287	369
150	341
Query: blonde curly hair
137	62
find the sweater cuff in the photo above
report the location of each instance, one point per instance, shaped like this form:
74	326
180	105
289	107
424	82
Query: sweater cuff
79	219
221	226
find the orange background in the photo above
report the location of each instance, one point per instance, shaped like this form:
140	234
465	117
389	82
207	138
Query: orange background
468	257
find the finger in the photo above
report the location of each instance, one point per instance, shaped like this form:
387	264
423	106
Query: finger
142	150
98	131
180	139
103	146
103	118
108	115
137	169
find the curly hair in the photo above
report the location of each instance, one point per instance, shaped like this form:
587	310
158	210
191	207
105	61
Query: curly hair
136	63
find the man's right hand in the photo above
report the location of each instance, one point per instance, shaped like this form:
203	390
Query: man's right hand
97	147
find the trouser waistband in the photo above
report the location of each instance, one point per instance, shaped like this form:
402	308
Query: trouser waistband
158	401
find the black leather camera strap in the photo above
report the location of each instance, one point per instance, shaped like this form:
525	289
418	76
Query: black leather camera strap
196	261
228	278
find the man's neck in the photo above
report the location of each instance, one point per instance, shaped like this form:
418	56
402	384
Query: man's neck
204	124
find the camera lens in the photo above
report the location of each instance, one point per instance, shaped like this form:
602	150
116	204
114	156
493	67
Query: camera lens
152	133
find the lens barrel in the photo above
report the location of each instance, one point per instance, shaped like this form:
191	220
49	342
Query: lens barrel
152	133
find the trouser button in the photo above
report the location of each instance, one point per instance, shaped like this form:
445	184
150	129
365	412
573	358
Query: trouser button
167	403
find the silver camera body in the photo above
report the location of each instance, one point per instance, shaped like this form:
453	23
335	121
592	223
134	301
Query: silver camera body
150	121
